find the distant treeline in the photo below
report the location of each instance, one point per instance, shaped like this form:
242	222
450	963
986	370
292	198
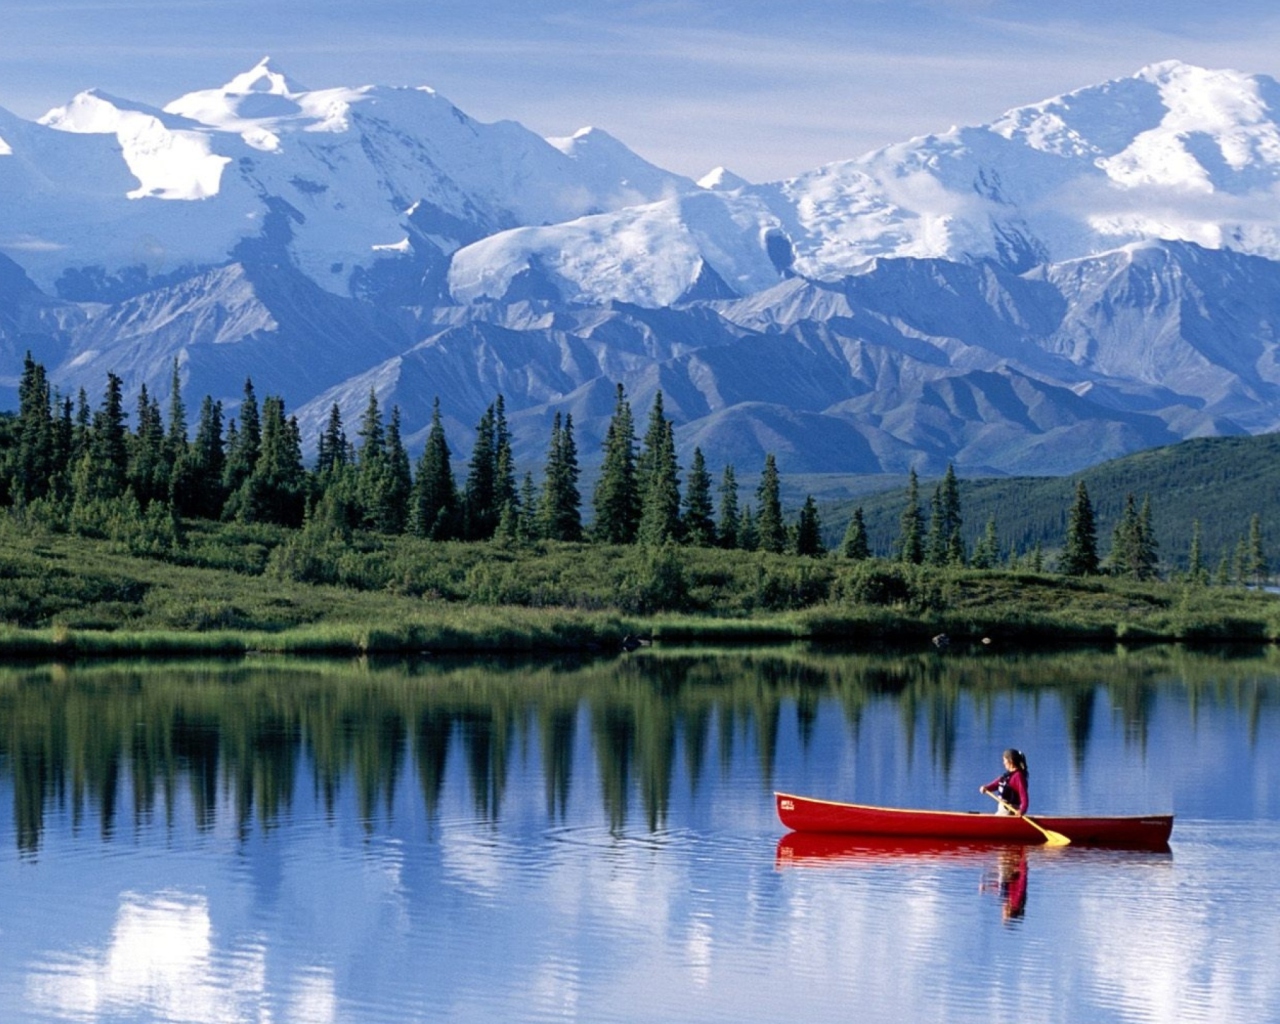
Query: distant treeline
86	471
1209	495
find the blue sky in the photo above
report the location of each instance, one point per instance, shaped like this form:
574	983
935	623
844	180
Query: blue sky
767	89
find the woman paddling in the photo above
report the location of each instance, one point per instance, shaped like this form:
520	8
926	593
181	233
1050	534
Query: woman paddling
1011	786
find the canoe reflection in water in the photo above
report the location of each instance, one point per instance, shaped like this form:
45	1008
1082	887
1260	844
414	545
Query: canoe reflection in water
1004	867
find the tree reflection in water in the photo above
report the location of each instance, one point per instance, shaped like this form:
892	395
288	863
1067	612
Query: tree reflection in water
243	732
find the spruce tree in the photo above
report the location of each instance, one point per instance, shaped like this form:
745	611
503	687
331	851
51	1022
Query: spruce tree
332	449
1133	545
35	441
395	482
771	529
435	496
909	547
530	529
504	466
275	491
749	530
1080	551
986	553
244	442
651	446
730	526
197	480
148	472
944	544
559	512
1195	559
660	510
699	527
176	432
809	530
1258	569
854	545
104	471
616	501
480	518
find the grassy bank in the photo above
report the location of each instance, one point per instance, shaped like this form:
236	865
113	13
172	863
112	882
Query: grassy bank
231	589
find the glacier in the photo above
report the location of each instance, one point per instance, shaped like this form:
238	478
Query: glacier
1080	278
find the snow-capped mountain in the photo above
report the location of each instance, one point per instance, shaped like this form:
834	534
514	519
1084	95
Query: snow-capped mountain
1079	278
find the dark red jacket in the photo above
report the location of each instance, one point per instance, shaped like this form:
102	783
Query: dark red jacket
1011	787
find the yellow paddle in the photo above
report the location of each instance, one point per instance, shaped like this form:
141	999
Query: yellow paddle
1051	837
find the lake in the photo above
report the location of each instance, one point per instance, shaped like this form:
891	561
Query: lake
281	840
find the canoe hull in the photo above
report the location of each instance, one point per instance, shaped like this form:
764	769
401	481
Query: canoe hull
806	814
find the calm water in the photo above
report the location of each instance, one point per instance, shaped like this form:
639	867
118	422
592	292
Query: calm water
300	841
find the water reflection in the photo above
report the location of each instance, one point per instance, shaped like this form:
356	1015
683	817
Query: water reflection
1003	869
151	738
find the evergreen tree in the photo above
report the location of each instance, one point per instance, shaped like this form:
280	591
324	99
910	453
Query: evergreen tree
809	530
390	496
616	501
275	492
909	547
197	477
35	441
986	553
103	473
945	545
64	447
651	446
1257	560
660	510
1195	559
480	516
1080	551
244	442
148	471
854	545
730	526
561	518
176	434
332	449
83	428
770	528
749	531
1133	546
435	496
504	466
699	527
1148	557
530	529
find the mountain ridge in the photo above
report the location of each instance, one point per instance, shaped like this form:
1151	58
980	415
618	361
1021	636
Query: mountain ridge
1080	278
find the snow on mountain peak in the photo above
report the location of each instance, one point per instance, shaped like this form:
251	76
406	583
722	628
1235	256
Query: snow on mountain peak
169	159
721	179
262	78
262	102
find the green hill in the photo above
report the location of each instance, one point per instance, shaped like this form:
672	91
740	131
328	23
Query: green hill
1221	481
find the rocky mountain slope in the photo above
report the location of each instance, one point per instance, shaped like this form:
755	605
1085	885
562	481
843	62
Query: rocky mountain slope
1081	278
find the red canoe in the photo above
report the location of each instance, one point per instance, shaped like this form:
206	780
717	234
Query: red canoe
805	814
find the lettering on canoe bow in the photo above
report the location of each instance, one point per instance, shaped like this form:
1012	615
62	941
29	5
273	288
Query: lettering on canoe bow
787	805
